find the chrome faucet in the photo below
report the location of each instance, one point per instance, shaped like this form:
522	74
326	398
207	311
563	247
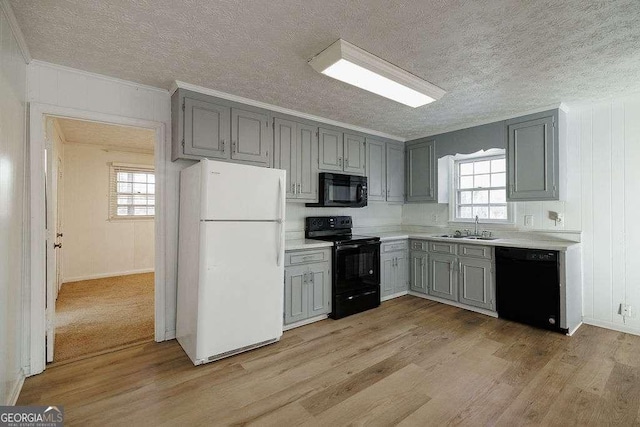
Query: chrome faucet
475	233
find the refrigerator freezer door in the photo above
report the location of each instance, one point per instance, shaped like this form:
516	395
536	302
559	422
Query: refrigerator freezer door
240	297
240	192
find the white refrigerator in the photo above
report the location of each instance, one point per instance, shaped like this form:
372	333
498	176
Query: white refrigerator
230	259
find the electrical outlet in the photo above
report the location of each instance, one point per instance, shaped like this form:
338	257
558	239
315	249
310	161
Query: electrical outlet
528	220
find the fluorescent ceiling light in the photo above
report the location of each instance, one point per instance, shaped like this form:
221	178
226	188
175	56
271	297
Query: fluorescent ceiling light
350	64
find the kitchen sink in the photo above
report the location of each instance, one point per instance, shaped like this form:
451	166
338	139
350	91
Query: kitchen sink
480	238
450	236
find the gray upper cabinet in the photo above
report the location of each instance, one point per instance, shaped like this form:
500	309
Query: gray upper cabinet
376	169
250	136
306	156
330	150
395	172
476	284
206	129
421	172
296	151
443	281
284	156
354	154
532	157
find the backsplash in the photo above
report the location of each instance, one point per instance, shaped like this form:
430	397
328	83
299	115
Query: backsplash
382	216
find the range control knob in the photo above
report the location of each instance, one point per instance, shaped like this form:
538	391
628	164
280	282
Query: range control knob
552	321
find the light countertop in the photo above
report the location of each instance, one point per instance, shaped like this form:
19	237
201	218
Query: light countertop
301	244
556	245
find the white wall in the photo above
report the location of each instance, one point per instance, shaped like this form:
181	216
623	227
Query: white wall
13	233
94	246
66	87
609	134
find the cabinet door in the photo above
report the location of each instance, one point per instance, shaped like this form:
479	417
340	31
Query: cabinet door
387	274
402	272
418	270
354	154
443	278
307	158
421	172
395	172
319	289
250	136
376	170
476	283
330	150
206	129
296	299
285	155
532	160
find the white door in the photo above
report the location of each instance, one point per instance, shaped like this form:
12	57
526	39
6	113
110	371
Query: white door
59	233
242	193
50	270
241	290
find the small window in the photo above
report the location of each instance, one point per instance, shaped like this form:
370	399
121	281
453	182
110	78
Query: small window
132	191
481	189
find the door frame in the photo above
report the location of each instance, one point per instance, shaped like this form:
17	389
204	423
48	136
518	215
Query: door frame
35	294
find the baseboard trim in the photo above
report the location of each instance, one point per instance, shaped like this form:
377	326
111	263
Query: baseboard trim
105	275
455	304
610	325
17	388
392	296
305	322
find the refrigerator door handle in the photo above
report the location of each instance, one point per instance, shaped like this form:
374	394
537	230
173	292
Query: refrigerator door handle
280	221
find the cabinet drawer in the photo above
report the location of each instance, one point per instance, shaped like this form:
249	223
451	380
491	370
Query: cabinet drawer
306	257
398	245
475	251
418	245
442	248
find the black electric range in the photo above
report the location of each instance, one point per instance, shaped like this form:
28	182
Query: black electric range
356	264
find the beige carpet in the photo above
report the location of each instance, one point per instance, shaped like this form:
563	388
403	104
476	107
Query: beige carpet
94	316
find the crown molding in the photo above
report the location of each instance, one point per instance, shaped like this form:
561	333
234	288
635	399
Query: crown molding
229	97
38	63
110	148
15	29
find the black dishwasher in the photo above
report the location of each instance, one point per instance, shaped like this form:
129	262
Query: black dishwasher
528	287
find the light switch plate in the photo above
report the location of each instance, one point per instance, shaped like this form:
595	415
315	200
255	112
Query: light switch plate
528	220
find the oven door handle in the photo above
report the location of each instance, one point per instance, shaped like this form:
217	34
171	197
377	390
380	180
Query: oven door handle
341	247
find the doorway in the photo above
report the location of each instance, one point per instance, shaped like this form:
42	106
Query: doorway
101	203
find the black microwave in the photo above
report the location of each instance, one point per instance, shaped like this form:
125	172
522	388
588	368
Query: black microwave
338	190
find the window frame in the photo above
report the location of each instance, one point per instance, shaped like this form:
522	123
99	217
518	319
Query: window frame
114	168
454	189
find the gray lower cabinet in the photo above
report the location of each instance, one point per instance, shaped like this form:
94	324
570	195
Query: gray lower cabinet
476	284
443	281
307	285
533	157
251	137
296	151
418	270
394	272
421	172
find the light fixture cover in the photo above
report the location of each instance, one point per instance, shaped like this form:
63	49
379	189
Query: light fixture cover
350	64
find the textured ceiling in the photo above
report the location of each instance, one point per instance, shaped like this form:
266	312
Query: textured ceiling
108	136
494	58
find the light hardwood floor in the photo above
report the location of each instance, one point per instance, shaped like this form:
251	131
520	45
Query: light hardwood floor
409	362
